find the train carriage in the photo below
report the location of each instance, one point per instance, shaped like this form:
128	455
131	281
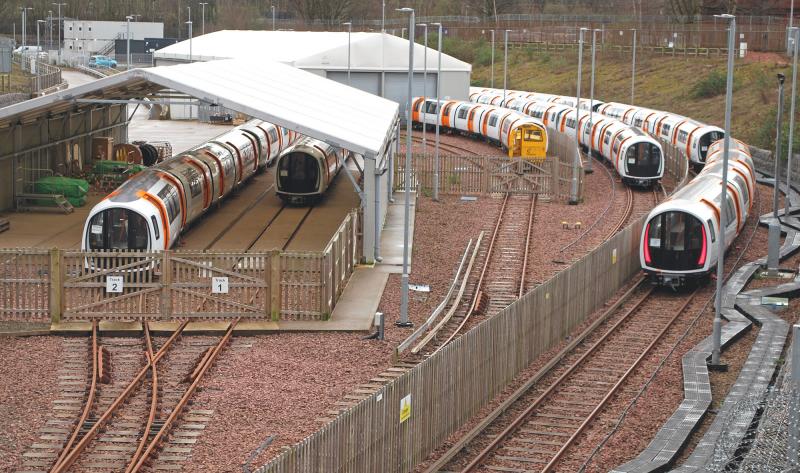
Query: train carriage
307	169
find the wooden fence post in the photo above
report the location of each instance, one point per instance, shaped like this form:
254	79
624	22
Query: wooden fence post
274	278
166	285
56	285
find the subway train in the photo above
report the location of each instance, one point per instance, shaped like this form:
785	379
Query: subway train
693	137
679	243
520	135
149	211
306	170
637	157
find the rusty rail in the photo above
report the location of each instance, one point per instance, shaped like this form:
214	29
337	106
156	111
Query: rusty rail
527	247
87	408
153	399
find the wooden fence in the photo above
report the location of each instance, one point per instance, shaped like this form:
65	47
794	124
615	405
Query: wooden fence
448	388
482	175
79	285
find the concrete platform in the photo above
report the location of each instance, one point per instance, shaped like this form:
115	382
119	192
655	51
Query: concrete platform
47	229
392	236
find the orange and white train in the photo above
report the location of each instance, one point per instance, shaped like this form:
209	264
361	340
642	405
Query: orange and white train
680	240
150	210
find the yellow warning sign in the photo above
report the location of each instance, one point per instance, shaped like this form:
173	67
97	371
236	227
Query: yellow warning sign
405	408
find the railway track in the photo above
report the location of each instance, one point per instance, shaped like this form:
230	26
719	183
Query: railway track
446	147
539	423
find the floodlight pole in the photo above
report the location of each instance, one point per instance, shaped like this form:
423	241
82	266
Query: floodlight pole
776	190
404	322
383	16
505	67
576	163
203	6
60	25
633	67
492	70
38	44
717	328
273	17
591	104
438	112
128	40
349	32
190	39
796	36
424	88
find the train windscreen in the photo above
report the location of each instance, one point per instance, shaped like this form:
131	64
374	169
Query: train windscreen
675	241
118	229
643	160
298	173
707	140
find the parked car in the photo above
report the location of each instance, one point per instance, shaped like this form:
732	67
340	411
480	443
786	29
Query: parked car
102	61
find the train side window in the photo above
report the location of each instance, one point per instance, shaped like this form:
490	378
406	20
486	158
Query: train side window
637	122
462	112
417	106
607	137
711	230
682	136
155	226
506	126
730	213
493	120
665	129
273	135
432	107
170	198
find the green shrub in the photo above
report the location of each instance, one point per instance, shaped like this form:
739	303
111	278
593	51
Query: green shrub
712	85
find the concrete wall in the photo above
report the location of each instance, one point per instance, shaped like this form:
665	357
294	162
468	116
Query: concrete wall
50	144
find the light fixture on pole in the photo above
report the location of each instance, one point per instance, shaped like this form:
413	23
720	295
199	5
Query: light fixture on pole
383	16
491	80
128	39
203	6
349	32
38	44
589	169
25	25
50	30
796	37
505	67
273	17
404	322
576	162
424	87
778	129
59	26
438	112
717	329
633	66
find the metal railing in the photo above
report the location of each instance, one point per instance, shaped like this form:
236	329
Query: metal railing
43	76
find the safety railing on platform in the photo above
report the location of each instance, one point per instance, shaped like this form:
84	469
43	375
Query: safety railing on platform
43	76
36	284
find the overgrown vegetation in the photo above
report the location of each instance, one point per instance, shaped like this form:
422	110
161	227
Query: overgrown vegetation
692	86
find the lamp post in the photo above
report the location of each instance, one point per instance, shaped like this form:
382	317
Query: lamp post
60	23
203	6
775	190
438	111
50	30
505	66
190	39
404	322
796	37
576	163
272	7
383	16
349	31
24	24
591	103
424	87
491	81
38	44
633	66
128	38
717	329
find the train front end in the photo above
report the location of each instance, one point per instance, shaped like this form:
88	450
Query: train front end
643	162
676	246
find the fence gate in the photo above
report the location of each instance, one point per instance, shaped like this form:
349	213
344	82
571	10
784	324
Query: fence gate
219	285
518	176
112	285
24	284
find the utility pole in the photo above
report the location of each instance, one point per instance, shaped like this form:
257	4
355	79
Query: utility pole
273	17
576	163
591	104
492	70
128	38
796	35
776	189
438	112
404	322
349	32
424	88
717	328
59	25
633	66
505	67
203	5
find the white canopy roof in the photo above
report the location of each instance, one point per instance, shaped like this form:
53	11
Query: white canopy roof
312	50
271	91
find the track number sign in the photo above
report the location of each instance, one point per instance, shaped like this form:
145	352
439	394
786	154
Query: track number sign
219	285
405	408
114	284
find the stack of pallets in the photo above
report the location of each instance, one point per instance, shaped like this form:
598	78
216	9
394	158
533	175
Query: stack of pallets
4	224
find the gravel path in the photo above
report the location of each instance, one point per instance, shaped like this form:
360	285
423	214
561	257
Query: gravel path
28	386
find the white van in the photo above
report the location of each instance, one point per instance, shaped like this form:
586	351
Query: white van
27	49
